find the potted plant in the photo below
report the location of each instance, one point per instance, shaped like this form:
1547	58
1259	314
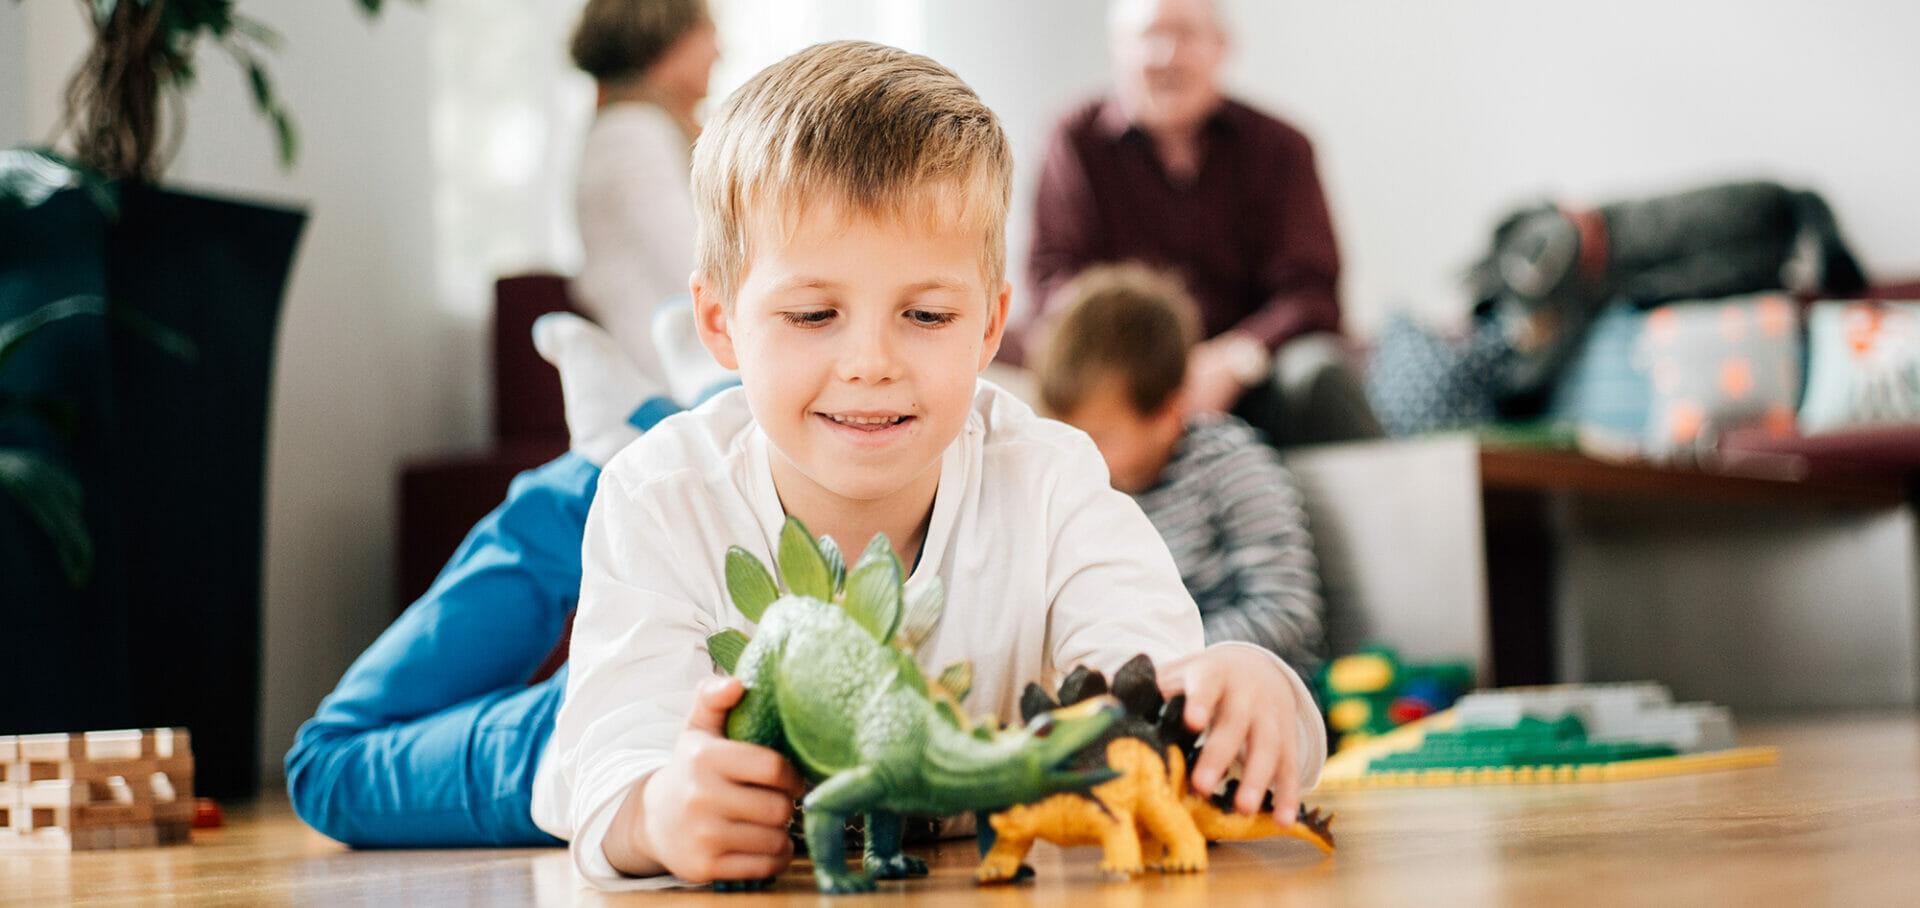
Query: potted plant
168	453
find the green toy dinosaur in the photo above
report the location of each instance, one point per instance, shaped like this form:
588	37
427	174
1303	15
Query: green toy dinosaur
831	682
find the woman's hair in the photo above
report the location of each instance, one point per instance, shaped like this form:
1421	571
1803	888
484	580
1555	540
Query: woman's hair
858	129
1123	321
619	39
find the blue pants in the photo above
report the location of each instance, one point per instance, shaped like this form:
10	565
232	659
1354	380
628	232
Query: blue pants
432	737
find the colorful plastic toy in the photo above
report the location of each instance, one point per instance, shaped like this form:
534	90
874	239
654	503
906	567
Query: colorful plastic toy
1372	691
832	684
1557	733
1146	817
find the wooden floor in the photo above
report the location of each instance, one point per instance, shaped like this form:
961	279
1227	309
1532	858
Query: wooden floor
1836	822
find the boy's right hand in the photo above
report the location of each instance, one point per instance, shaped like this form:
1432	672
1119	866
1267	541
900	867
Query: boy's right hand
718	809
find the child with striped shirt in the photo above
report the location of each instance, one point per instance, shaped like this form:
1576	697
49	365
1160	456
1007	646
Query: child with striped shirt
1115	367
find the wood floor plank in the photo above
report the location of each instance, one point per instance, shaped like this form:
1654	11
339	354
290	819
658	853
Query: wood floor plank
1835	821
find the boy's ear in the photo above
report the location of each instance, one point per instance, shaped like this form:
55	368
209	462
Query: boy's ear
710	320
1174	411
996	324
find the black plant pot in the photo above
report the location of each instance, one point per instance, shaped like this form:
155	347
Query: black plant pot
171	454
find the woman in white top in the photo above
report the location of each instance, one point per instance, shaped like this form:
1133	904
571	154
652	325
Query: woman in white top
652	59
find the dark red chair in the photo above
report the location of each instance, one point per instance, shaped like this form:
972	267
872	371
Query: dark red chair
442	496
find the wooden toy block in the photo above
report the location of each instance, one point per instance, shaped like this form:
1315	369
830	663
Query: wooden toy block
129	788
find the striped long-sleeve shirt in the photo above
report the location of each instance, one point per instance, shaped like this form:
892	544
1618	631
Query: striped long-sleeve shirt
1232	516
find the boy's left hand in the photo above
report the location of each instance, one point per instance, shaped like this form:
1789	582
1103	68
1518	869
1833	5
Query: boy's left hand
1243	701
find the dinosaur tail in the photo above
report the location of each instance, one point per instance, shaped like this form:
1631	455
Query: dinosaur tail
1218	822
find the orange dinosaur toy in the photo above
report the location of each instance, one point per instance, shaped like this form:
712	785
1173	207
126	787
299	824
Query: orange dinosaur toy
1147	816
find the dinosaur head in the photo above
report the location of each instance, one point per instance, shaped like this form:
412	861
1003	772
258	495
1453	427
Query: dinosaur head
1054	738
968	771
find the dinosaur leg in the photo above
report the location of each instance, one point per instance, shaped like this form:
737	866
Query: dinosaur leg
999	864
1153	852
1002	864
1164	820
1120	845
826	808
883	857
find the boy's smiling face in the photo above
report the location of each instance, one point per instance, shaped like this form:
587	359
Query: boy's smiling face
858	341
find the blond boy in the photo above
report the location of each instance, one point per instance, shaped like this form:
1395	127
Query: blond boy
851	265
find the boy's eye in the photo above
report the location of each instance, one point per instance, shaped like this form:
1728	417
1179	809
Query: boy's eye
809	317
930	318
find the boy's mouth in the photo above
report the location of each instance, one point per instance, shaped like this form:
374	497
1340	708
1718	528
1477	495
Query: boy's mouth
865	422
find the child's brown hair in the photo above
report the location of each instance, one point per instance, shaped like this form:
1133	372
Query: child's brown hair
1126	321
858	129
619	39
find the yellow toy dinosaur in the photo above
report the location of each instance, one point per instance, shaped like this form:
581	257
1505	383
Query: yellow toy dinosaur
1146	817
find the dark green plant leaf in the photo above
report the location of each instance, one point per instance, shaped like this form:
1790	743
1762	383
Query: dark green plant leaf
31	176
14	332
725	647
171	342
749	584
53	498
802	568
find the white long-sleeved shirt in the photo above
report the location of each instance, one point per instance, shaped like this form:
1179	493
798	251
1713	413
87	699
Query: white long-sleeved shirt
1045	566
634	205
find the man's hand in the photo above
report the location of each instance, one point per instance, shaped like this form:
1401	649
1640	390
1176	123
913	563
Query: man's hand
1244	703
717	811
1219	370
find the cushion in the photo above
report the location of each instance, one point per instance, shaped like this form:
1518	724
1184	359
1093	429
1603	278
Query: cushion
1419	381
1604	389
1863	365
1716	364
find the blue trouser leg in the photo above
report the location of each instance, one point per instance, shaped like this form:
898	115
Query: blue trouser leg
432	736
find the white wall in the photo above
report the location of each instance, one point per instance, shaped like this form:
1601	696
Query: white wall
13	71
1430	120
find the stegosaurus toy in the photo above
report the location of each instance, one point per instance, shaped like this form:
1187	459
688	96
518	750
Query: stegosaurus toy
831	682
1148	816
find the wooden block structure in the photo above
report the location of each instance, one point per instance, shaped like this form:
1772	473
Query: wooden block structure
96	790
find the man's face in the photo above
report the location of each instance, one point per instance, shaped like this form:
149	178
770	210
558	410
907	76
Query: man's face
858	342
1167	56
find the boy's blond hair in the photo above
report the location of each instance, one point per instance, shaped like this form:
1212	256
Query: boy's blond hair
862	128
1123	321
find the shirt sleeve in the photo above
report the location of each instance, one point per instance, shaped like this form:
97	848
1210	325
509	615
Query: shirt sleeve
638	652
1065	217
1263	533
1301	266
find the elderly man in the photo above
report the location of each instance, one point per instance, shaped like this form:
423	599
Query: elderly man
1168	171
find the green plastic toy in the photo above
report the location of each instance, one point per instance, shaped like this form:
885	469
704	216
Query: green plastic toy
831	682
1372	692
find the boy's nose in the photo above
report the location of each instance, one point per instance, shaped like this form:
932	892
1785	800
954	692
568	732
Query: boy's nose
870	356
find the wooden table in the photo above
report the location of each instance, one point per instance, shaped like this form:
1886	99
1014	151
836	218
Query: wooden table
1836	822
1519	485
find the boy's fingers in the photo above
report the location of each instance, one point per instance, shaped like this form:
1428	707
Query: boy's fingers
1259	770
742	763
1225	739
769	807
743	866
711	700
755	839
